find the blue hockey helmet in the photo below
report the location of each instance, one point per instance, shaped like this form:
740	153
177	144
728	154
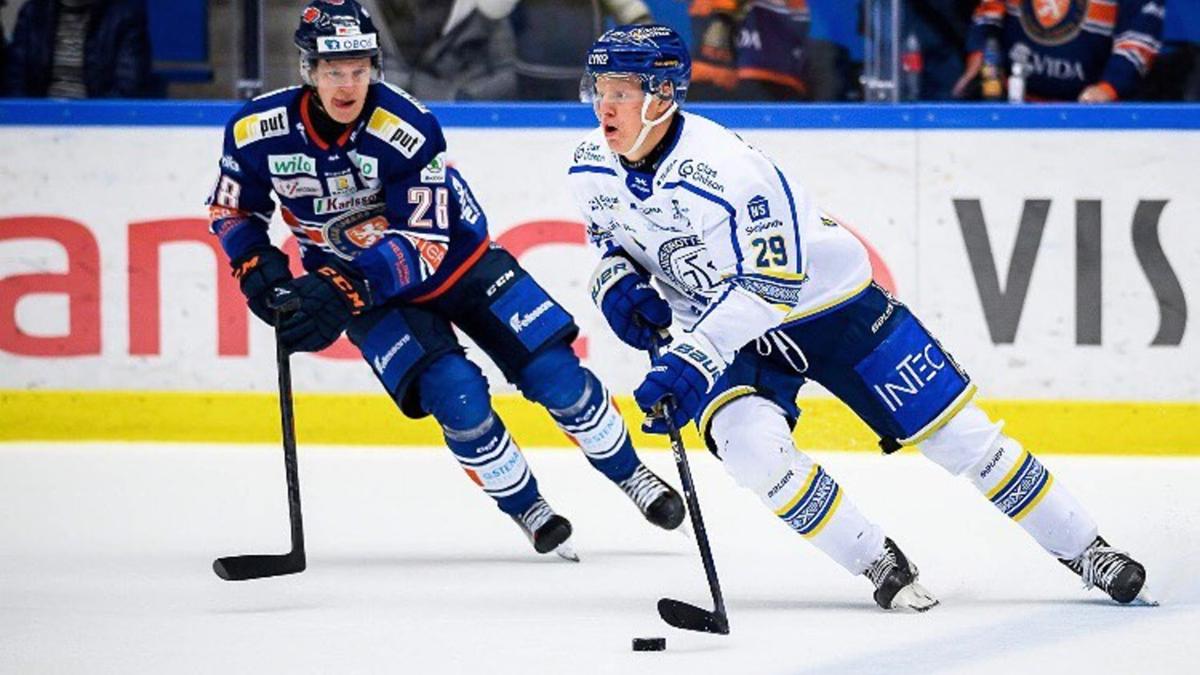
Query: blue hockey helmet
336	29
653	53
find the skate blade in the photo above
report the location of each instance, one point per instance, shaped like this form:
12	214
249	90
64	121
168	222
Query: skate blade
685	530
1144	598
914	598
566	552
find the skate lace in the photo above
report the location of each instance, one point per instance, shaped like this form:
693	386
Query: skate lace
643	487
1099	566
882	566
536	516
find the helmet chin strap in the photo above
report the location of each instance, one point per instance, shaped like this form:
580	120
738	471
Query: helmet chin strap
647	125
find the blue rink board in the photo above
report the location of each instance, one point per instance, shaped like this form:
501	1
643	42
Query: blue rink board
578	116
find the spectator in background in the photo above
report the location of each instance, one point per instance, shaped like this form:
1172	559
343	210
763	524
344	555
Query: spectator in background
750	50
939	28
80	49
551	34
1074	50
1176	73
451	50
835	50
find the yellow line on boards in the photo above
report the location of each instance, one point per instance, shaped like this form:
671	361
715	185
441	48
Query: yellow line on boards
1085	427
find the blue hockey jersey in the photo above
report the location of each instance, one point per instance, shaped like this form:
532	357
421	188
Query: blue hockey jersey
1071	44
380	198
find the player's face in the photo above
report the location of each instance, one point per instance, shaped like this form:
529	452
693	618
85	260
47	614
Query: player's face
618	103
342	87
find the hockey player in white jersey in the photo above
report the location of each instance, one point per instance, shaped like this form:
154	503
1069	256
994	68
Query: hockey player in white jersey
764	292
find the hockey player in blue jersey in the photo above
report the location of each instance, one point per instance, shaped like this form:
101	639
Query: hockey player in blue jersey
396	251
765	292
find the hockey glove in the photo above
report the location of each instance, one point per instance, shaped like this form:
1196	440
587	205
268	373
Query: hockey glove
684	373
258	272
634	310
325	300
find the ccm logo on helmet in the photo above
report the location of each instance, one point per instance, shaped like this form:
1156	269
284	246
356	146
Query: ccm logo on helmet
346	43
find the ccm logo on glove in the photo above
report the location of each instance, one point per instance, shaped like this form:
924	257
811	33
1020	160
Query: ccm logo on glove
357	304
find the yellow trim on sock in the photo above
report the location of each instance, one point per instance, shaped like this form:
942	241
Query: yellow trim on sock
1008	476
812	475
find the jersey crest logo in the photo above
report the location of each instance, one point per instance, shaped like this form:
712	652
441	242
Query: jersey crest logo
1053	22
683	261
266	124
350	234
395	132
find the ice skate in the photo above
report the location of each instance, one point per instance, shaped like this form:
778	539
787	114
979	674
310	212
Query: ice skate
658	501
1112	571
895	579
547	530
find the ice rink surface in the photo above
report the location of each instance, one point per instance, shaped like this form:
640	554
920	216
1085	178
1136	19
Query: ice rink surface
105	554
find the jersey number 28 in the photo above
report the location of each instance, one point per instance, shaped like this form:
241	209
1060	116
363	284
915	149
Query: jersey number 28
421	198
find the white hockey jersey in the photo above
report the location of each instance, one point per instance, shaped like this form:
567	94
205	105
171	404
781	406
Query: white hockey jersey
734	246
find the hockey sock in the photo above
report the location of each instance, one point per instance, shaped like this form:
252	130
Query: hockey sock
1024	490
595	425
755	444
809	500
494	462
583	409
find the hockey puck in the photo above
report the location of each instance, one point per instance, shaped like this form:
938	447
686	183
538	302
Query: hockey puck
651	644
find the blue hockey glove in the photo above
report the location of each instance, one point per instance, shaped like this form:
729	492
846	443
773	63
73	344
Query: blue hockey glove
634	310
684	373
324	302
258	272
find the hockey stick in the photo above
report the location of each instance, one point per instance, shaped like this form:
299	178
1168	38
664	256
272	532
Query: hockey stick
675	612
257	566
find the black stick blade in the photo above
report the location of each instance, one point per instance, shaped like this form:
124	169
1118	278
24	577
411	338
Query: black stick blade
243	567
690	617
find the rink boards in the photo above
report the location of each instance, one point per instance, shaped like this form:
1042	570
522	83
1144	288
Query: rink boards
1051	250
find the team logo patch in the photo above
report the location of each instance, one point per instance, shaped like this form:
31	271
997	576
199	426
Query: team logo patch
255	127
350	234
1053	22
311	14
684	262
395	132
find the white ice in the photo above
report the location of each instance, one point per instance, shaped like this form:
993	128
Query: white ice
105	554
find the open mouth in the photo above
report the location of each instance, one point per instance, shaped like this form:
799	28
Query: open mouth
610	130
344	105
